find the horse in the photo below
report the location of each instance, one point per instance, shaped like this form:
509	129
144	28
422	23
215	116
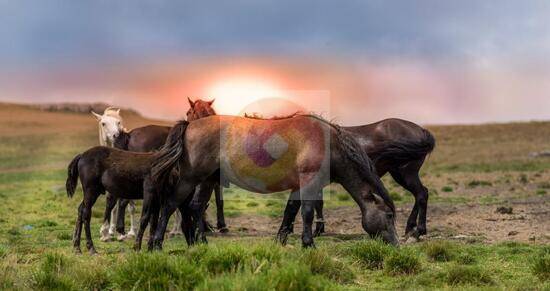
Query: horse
143	139
200	109
396	146
302	153
124	175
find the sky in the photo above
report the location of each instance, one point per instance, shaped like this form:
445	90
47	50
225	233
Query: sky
432	62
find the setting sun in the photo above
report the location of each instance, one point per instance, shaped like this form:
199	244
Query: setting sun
233	95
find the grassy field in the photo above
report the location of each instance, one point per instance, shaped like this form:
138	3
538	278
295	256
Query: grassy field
474	170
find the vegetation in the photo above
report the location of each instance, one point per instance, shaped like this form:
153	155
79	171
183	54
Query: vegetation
37	220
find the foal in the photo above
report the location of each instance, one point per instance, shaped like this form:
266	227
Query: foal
143	139
122	174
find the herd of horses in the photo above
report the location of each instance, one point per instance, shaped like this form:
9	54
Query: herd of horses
176	169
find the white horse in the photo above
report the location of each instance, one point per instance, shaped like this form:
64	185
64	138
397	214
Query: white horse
110	127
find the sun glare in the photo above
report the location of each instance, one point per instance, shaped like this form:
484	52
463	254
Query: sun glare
233	95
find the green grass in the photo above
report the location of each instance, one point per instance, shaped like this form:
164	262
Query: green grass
37	222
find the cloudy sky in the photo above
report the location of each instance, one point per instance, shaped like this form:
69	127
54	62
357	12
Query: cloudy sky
427	61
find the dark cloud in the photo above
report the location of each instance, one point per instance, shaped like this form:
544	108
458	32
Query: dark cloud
79	31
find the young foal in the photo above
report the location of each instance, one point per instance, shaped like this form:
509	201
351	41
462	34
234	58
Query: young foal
125	176
143	139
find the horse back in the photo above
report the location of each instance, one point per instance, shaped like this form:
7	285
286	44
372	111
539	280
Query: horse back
148	138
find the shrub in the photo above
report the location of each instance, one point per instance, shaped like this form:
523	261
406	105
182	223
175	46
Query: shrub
475	275
322	263
541	264
156	271
439	251
402	262
447	189
370	253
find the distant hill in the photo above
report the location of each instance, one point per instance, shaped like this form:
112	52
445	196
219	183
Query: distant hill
78	107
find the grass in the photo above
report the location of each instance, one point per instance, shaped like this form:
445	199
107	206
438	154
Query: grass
36	240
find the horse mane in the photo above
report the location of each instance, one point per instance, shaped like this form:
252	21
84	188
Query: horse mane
256	115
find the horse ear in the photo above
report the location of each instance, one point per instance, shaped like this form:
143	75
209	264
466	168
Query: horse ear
97	116
191	103
118	111
211	101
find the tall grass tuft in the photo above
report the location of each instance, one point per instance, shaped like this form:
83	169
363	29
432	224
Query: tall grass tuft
541	264
49	275
321	263
475	275
404	261
156	271
440	251
227	258
371	253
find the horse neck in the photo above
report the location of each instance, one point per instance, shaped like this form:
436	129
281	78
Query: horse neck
122	140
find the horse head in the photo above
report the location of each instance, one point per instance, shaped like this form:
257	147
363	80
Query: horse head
199	109
110	125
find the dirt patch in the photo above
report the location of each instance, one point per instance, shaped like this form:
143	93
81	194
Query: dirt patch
481	223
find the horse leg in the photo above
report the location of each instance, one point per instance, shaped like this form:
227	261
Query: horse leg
121	212
89	202
199	203
176	228
291	210
114	214
155	211
187	225
104	232
320	222
78	229
169	204
132	231
145	218
218	191
409	179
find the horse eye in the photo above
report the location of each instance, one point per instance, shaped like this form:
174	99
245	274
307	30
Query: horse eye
103	124
389	215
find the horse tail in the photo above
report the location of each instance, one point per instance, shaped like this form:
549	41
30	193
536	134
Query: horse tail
405	150
355	153
72	176
168	156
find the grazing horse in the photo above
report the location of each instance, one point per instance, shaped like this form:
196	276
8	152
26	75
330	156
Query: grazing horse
124	175
143	139
302	153
396	146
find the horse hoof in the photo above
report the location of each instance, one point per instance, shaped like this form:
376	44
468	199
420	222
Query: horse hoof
121	237
106	238
131	233
223	230
77	251
92	251
308	245
282	237
413	233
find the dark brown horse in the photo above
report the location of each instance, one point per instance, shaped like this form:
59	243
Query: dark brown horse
395	146
125	175
303	154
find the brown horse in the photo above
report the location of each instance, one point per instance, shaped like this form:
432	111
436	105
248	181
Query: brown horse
125	175
396	146
303	154
197	110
